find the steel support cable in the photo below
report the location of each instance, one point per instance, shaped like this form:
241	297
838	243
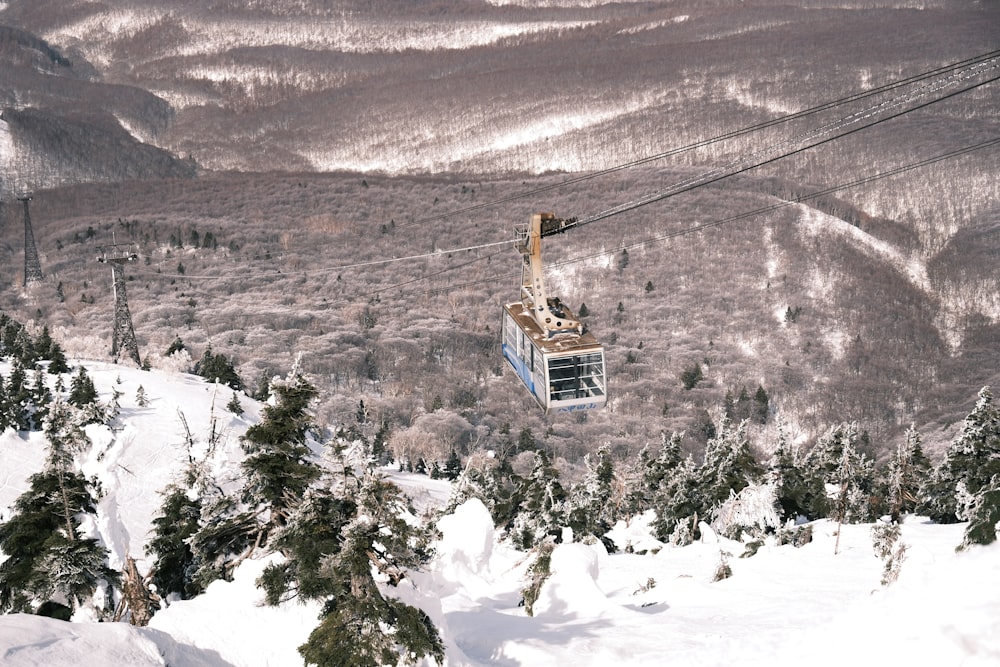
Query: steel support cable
790	202
688	184
720	174
684	186
718	223
968	62
375	293
343	267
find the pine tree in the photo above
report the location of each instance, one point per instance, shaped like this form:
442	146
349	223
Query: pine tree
648	471
41	398
907	471
19	396
226	532
538	505
57	357
177	345
888	548
453	466
234	405
48	560
43	344
218	368
313	534
761	408
729	463
679	502
590	508
800	491
360	625
837	460
279	467
692	375
983	516
175	566
83	394
7	418
972	460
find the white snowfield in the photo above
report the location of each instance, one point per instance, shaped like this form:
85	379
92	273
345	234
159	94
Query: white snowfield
782	606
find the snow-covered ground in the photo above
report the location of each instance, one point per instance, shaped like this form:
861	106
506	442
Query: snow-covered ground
782	606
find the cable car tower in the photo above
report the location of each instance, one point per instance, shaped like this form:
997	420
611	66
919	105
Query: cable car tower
32	267
559	362
123	335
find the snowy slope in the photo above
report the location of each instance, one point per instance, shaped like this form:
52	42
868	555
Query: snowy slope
783	606
144	451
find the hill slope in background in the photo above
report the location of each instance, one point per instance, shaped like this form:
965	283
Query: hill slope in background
287	270
876	304
60	124
477	87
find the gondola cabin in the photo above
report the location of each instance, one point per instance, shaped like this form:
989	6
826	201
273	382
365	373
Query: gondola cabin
560	363
563	373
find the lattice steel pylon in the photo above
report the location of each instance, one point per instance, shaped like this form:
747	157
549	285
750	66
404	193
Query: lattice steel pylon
123	336
32	267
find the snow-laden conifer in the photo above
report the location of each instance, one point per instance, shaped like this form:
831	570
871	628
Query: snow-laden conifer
592	505
972	460
539	505
729	463
800	489
50	560
754	510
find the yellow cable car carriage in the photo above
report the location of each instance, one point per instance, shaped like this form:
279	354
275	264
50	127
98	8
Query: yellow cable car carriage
560	363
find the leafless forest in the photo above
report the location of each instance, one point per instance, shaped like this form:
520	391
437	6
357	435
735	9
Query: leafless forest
267	162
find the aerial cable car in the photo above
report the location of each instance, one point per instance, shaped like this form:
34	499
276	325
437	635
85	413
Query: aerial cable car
560	363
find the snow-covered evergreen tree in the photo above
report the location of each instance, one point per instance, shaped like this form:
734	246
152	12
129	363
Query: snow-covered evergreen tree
49	559
313	534
175	567
984	516
7	419
679	503
279	465
453	466
906	472
83	395
346	550
754	510
729	463
846	471
539	505
234	405
800	490
19	396
892	552
971	462
591	508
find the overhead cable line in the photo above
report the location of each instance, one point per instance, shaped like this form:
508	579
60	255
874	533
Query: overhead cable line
790	202
743	165
826	106
718	223
356	265
958	72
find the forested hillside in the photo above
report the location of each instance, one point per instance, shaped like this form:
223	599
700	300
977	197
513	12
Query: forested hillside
267	160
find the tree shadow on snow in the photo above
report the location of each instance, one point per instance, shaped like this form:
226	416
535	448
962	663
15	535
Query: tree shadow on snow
484	634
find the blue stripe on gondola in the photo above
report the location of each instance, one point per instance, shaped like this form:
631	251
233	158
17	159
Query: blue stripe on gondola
520	367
